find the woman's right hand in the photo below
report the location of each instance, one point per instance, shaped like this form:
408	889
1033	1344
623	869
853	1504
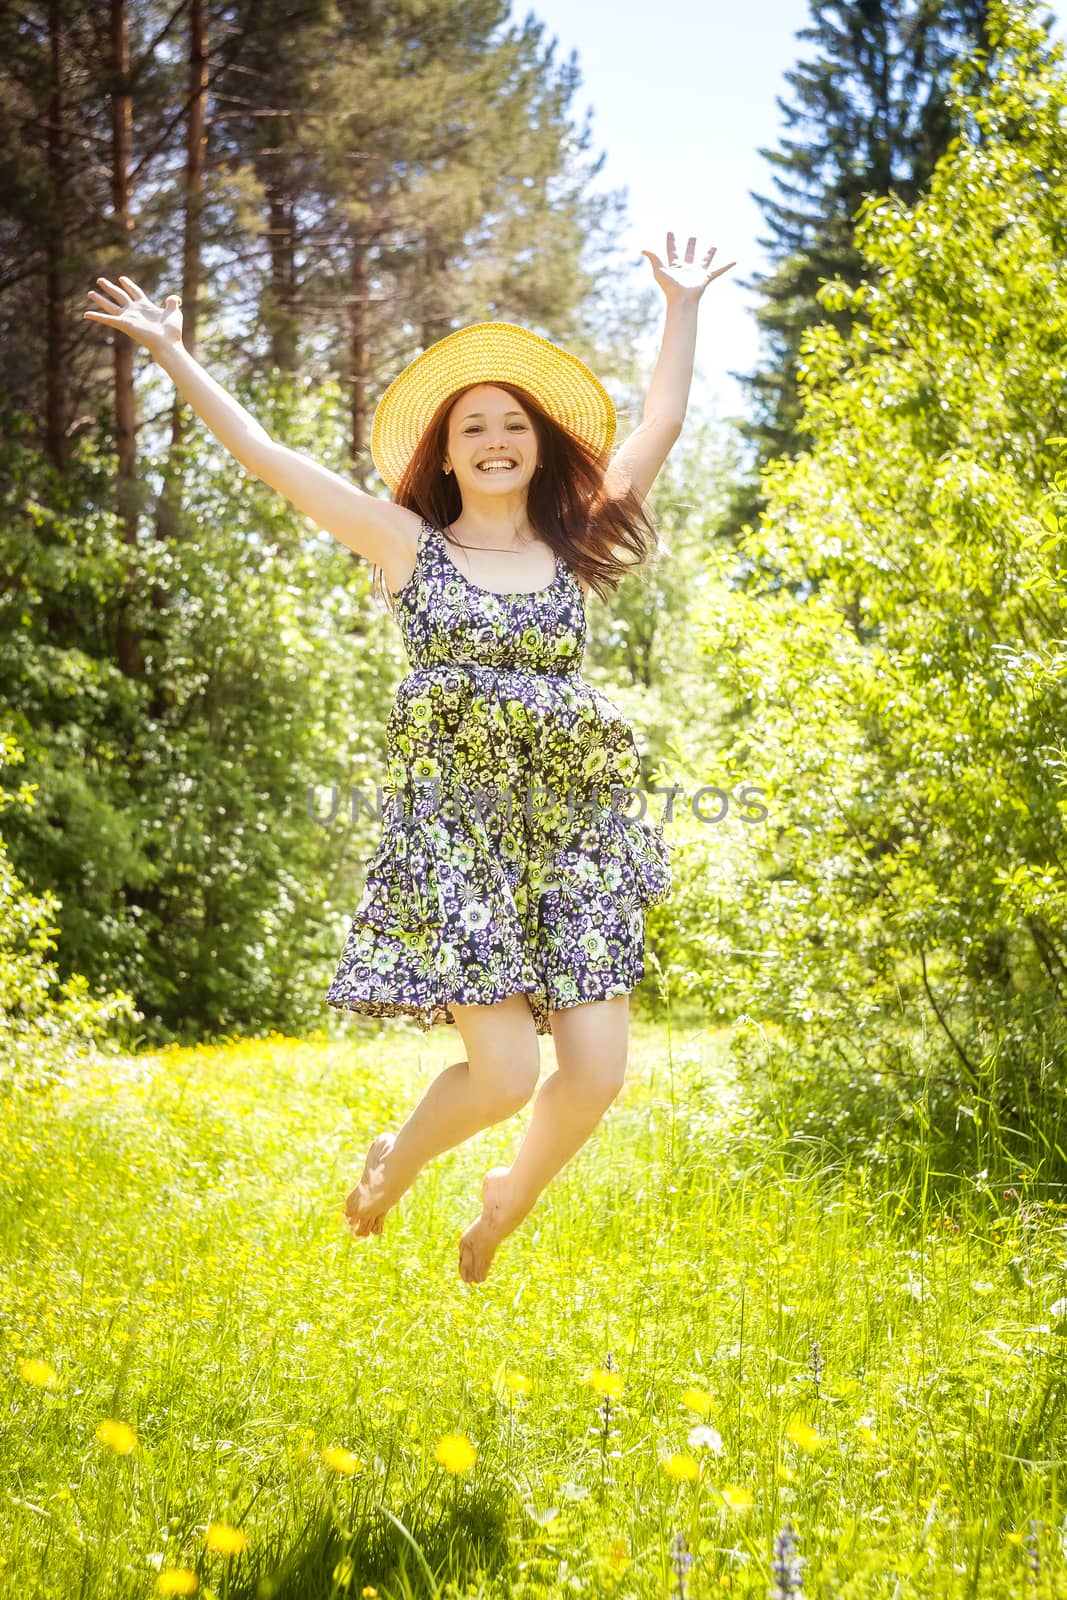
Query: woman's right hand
130	309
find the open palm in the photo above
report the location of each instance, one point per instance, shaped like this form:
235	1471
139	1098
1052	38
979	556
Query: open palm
685	279
130	309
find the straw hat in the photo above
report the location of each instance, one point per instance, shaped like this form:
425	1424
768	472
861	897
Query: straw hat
488	352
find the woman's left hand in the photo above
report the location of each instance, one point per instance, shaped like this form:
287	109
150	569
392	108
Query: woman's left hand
681	280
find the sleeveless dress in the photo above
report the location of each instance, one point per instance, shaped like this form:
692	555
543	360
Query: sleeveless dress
515	854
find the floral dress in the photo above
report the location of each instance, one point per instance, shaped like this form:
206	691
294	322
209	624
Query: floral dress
515	855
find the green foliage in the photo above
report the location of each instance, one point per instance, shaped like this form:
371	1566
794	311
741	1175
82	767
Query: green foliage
45	1024
893	650
175	820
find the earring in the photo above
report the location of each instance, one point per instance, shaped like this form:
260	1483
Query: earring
447	468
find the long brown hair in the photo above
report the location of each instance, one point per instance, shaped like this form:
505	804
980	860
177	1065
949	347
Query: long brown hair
572	501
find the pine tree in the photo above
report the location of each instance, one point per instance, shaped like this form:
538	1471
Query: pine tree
869	109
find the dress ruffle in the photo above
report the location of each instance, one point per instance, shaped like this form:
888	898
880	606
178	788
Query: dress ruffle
616	852
436	886
411	881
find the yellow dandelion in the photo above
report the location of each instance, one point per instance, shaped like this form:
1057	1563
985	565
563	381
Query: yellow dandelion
698	1400
341	1460
225	1539
455	1452
786	1474
518	1382
606	1383
38	1373
118	1436
737	1498
177	1580
681	1467
619	1555
867	1434
1013	1536
369	1592
803	1434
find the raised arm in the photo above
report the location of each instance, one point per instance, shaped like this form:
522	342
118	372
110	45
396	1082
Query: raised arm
377	529
641	456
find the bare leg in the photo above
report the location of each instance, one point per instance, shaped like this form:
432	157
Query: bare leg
591	1048
498	1077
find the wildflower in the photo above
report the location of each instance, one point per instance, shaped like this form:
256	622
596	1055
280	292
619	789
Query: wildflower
455	1452
606	1383
369	1592
681	1467
803	1434
698	1400
786	1565
518	1382
619	1555
38	1373
737	1498
705	1438
224	1539
681	1560
177	1580
866	1432
341	1460
1033	1551
118	1436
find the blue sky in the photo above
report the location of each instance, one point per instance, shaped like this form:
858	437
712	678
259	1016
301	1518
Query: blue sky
683	95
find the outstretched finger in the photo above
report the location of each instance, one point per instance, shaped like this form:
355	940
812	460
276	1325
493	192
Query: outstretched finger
707	259
690	250
115	288
134	289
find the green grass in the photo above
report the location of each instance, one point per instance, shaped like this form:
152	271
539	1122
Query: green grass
870	1336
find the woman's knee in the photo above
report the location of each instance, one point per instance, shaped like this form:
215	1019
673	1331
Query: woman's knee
598	1079
503	1055
592	1047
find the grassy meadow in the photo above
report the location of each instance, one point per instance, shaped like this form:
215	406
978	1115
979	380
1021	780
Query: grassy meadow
746	1344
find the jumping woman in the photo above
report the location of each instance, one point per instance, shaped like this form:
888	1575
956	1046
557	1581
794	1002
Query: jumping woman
508	889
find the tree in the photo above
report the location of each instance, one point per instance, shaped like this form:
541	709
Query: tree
899	689
870	110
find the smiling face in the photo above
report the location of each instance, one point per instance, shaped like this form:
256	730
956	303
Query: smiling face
492	447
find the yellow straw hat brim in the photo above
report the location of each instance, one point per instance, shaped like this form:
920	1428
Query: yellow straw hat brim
488	352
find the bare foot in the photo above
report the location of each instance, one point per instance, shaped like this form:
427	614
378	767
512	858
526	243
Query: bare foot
500	1216
367	1203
